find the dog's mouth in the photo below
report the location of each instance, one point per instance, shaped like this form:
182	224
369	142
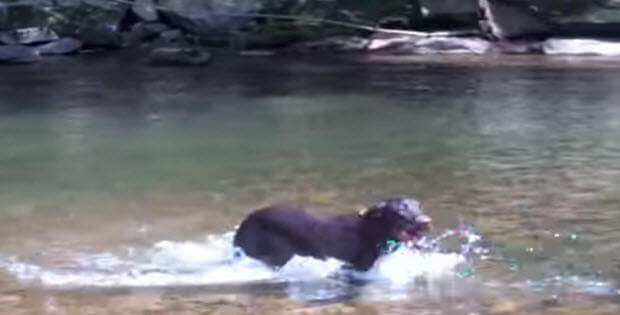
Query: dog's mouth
413	232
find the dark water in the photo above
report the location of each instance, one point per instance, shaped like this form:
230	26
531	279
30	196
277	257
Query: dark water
97	153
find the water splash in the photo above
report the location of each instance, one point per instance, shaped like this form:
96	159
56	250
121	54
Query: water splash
215	261
434	264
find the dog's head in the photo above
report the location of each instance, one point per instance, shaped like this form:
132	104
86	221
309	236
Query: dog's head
401	219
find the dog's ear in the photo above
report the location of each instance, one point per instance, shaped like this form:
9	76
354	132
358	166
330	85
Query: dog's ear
373	212
362	212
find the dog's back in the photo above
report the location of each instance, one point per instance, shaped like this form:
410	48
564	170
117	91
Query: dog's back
275	234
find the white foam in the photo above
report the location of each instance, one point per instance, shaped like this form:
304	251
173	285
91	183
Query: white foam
300	268
215	261
404	265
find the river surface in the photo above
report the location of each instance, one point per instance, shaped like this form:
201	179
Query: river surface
120	184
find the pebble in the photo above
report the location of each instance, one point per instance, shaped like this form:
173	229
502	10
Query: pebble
503	306
551	301
10	299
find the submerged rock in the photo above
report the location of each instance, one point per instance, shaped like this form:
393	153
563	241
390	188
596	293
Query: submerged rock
580	46
17	54
63	46
179	56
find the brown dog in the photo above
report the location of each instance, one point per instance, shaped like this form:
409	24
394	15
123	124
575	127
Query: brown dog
274	234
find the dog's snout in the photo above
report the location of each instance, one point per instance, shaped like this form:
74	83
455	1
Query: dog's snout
423	219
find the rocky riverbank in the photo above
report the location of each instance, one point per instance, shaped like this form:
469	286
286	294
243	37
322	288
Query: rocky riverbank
180	32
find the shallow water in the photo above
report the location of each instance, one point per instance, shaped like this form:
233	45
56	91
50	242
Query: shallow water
109	167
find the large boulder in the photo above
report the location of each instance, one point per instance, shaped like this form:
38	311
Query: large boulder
145	10
100	37
561	46
202	17
141	32
176	14
505	20
141	11
63	46
17	54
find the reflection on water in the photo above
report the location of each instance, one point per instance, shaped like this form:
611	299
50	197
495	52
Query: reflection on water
100	154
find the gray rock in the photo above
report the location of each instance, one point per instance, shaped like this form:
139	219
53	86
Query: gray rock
16	54
179	56
27	36
145	31
63	46
145	9
577	46
194	25
510	20
195	16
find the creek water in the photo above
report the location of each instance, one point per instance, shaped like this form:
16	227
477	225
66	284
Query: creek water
121	184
